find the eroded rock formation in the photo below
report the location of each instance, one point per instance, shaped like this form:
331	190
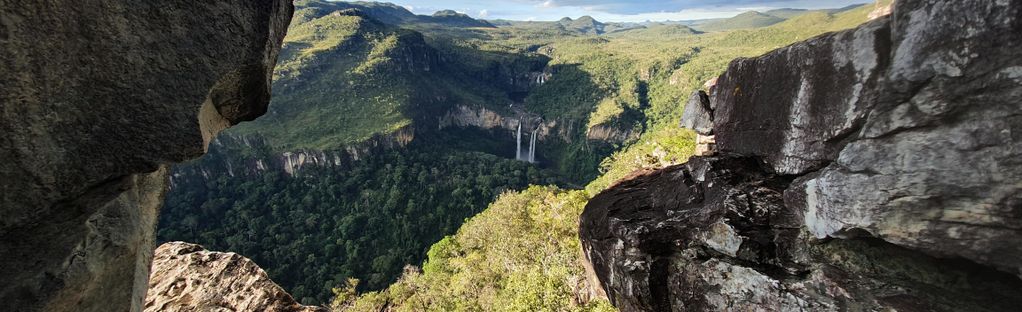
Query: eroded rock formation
96	98
869	169
186	277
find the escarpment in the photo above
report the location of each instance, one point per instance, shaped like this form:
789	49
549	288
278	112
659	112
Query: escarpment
96	99
869	169
187	277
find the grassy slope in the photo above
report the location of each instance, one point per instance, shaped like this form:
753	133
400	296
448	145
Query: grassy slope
343	79
326	93
493	263
751	19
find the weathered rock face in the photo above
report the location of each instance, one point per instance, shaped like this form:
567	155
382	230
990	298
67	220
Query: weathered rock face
698	114
226	158
186	277
869	169
936	165
96	98
796	107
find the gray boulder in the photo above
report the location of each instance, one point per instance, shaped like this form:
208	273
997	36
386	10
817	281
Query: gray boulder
698	114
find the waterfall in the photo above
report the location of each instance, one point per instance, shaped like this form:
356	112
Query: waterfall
532	147
518	150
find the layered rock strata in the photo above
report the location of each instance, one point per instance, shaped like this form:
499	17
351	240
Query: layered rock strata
870	169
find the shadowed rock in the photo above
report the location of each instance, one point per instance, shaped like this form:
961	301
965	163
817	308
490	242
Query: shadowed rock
698	114
97	97
795	108
869	169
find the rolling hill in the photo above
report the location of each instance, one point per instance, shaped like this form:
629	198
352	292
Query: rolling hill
751	19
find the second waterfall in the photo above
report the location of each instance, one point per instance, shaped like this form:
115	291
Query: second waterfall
531	155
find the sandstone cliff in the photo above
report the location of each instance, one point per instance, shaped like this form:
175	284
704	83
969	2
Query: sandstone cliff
186	277
870	169
97	97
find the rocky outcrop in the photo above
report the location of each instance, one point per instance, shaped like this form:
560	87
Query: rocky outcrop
483	118
96	98
698	114
869	169
611	133
714	234
556	129
186	277
231	155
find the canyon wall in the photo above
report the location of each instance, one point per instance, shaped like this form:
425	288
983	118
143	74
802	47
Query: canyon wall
97	97
870	169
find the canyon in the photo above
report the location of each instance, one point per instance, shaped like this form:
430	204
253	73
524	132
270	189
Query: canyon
873	168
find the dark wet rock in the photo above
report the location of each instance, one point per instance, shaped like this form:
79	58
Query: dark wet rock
715	235
869	169
96	99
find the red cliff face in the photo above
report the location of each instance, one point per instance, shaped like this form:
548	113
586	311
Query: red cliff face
873	169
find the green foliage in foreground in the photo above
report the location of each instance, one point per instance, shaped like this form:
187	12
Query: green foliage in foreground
365	220
521	254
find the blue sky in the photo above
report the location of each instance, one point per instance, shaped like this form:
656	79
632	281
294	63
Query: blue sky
612	10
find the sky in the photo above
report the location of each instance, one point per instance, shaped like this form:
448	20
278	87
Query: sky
611	10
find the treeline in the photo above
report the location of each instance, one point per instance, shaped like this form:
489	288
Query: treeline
366	220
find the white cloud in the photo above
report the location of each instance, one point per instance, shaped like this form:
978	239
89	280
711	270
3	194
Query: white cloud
613	10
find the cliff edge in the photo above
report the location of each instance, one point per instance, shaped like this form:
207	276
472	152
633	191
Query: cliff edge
870	169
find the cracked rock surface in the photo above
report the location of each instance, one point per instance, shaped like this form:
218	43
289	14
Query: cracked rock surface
186	277
870	169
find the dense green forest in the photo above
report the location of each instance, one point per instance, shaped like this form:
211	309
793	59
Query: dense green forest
352	73
366	219
518	255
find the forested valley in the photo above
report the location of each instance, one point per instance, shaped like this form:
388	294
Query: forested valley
388	171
